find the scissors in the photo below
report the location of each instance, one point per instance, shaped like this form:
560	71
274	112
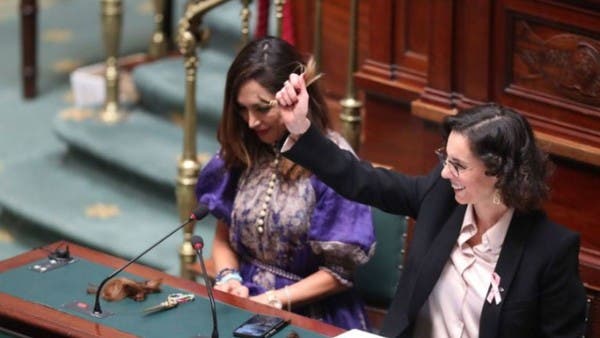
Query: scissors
172	301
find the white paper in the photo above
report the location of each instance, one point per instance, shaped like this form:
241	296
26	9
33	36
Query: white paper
89	88
355	333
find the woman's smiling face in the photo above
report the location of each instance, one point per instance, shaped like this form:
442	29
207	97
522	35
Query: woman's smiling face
262	118
466	172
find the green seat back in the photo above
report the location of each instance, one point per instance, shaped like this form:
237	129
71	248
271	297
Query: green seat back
376	280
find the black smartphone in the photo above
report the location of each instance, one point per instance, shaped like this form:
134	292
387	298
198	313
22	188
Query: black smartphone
260	326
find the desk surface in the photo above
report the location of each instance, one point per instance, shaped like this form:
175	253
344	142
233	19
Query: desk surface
36	318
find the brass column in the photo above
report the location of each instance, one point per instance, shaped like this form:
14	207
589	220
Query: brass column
111	34
158	43
351	107
279	15
245	16
317	34
188	166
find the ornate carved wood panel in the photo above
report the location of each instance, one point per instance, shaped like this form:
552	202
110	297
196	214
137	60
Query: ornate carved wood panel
549	57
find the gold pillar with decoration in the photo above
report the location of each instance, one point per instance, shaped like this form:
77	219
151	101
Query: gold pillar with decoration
279	16
158	42
111	16
245	16
188	167
317	33
351	106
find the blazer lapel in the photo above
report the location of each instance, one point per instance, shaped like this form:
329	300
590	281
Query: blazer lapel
398	322
508	263
436	259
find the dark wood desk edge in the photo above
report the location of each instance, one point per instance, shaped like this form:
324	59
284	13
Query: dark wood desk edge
66	324
37	320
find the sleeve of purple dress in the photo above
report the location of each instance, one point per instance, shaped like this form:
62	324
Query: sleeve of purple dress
216	188
341	231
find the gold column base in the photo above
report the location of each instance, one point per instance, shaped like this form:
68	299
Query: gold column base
111	114
187	258
158	45
351	121
187	177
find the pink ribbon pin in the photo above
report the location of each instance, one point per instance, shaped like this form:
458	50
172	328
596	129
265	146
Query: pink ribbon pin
495	290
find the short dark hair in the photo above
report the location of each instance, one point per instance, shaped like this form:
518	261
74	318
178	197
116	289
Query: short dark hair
269	61
503	140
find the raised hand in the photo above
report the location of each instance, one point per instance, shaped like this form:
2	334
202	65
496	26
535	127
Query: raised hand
293	104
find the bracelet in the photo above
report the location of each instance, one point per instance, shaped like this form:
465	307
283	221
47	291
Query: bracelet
227	274
230	276
273	300
287	295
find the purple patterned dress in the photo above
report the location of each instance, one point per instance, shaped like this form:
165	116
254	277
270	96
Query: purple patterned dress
307	227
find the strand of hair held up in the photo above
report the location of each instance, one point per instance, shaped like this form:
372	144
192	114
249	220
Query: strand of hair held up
309	72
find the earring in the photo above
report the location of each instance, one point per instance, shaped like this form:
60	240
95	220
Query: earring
496	199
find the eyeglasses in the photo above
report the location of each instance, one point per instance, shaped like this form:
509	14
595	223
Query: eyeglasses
455	168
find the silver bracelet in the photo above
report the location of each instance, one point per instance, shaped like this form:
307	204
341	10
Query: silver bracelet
230	276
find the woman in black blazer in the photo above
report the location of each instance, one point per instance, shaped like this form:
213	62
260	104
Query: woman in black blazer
484	260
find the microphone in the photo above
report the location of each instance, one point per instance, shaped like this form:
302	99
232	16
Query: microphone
198	245
198	214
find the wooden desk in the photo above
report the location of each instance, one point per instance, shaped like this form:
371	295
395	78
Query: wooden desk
37	320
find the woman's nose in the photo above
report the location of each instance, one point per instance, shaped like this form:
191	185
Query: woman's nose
445	172
252	120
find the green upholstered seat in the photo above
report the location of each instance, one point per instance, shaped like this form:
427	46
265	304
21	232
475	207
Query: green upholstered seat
377	279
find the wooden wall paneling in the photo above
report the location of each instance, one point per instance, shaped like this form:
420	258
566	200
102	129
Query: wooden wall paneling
396	138
412	24
574	200
378	64
437	98
334	46
550	57
411	33
472	53
304	22
396	65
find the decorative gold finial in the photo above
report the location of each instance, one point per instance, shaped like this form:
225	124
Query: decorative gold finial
111	32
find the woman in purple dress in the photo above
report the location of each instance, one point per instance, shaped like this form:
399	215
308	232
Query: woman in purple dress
283	237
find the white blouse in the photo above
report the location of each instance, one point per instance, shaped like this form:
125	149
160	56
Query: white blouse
454	305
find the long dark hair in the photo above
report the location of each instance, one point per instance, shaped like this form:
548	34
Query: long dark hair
269	61
504	141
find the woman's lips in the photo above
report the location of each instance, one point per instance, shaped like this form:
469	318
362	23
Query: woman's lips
261	132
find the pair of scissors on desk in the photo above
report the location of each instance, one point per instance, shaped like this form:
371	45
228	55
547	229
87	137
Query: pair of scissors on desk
172	301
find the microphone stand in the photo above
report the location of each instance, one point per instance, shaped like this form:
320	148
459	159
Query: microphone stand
198	245
197	215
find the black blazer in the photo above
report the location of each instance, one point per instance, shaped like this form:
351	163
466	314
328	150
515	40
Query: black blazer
542	293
